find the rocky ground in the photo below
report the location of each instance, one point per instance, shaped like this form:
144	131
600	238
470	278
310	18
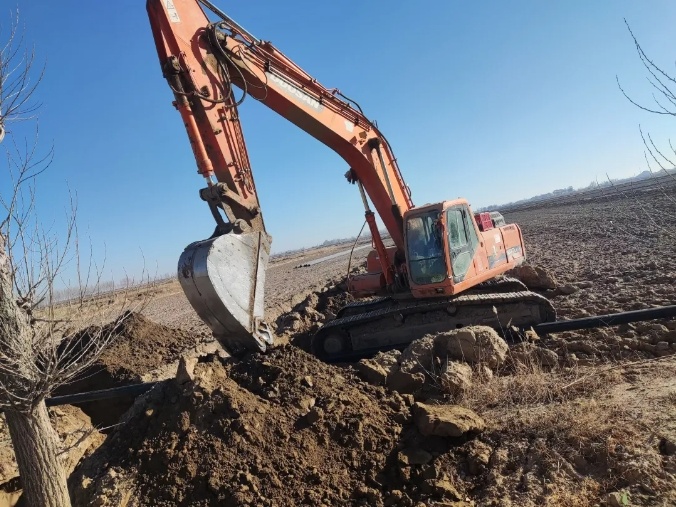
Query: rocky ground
608	256
462	418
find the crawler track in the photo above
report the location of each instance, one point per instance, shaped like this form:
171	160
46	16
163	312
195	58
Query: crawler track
494	286
365	328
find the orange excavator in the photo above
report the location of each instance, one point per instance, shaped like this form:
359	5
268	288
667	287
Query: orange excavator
439	274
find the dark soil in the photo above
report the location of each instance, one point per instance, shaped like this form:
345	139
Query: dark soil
300	324
138	347
284	429
615	254
276	429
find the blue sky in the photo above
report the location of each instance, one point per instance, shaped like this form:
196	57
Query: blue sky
493	101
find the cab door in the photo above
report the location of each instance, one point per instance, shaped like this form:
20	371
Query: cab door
462	242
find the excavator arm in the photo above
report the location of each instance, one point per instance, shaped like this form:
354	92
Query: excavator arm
206	102
203	61
444	257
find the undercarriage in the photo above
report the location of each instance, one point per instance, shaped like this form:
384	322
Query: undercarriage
364	328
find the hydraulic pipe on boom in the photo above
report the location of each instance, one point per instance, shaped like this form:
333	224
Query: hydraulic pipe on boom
184	32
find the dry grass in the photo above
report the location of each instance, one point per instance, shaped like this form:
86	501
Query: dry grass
561	495
565	438
530	384
592	441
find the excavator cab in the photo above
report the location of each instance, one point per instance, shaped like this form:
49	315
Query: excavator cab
447	252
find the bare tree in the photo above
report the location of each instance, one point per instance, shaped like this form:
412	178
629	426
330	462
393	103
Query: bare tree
34	356
663	85
663	93
17	79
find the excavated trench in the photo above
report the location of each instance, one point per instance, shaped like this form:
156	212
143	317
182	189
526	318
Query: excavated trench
141	348
138	349
284	428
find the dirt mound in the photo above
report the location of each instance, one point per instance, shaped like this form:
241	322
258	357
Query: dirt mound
534	277
558	427
139	347
557	435
285	429
277	429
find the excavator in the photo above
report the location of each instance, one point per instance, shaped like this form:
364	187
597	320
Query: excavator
443	265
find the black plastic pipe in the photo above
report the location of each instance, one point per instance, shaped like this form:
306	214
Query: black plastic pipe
103	394
612	319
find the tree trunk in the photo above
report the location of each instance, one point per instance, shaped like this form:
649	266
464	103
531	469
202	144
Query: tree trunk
36	446
34	440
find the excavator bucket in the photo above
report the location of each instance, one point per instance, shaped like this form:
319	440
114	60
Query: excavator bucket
224	280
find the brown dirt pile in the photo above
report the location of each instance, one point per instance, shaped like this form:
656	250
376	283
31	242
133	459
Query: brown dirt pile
138	348
276	429
306	317
285	429
555	435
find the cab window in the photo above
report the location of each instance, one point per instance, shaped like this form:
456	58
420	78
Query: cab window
457	236
425	250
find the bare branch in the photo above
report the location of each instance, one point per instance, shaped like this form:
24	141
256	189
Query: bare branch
661	82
